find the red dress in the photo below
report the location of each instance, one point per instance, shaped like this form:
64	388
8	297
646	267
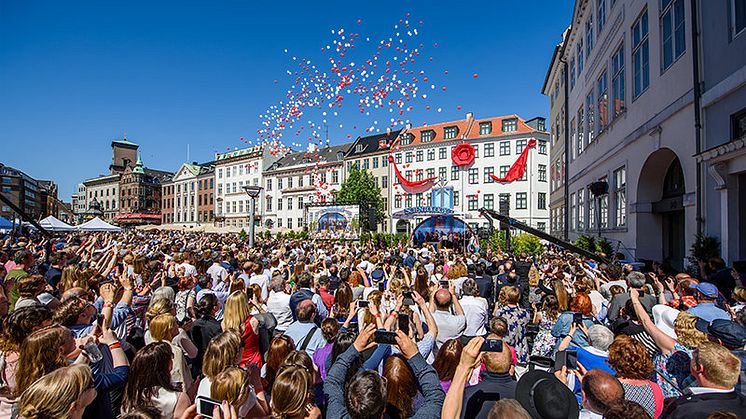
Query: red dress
251	353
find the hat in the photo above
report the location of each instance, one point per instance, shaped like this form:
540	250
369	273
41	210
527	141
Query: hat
377	275
664	318
730	333
545	397
709	290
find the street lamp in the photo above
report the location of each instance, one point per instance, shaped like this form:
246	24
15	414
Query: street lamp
253	192
599	189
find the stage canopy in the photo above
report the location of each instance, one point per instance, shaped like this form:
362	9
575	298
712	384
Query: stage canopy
51	223
98	224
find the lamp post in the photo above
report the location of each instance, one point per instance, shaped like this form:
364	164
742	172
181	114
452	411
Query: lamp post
253	192
599	189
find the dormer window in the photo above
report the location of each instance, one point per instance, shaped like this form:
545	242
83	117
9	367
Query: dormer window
485	128
427	136
450	133
382	144
510	125
359	148
406	139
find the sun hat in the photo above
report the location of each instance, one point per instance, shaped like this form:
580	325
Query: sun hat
546	397
664	318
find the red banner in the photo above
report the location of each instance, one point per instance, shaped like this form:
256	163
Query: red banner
412	186
519	167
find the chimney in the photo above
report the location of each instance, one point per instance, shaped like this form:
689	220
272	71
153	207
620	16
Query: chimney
195	163
469	116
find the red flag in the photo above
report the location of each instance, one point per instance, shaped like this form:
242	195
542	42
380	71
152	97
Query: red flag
519	167
412	186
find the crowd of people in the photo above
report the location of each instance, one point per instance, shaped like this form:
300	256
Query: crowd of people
180	325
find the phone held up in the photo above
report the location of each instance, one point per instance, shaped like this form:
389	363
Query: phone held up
385	337
403	320
205	405
567	358
492	345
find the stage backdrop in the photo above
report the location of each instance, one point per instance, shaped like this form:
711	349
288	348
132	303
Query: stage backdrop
333	222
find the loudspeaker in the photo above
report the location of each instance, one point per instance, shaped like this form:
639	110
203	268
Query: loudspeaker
599	188
372	220
504	206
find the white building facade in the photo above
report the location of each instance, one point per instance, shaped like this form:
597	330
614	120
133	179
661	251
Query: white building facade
631	125
298	179
426	152
192	194
105	190
234	170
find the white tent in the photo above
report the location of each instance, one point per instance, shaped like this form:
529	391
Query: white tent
97	224
51	223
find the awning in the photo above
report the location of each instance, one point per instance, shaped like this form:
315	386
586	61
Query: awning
51	223
98	224
410	213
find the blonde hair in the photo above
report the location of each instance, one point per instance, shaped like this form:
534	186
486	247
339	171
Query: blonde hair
686	332
509	295
157	307
53	395
236	311
290	392
719	365
533	276
221	353
375	298
457	271
161	327
230	385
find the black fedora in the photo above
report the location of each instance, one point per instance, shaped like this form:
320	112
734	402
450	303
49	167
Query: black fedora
545	397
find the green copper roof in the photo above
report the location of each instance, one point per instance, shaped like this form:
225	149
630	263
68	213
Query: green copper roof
138	166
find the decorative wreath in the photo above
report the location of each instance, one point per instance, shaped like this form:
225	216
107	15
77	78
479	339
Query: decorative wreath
463	155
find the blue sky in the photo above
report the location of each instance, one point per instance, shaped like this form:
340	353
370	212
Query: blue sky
76	74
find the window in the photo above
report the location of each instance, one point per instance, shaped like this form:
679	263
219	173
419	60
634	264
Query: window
406	139
384	181
488	172
335	177
279	204
541	200
476	151
366	165
268	204
408	201
504	148
504	171
617	80
220	173
673	37
450	132
510	125
397	158
301	177
603	102
397	201
300	203
455	198
442	153
473	176
290	204
541	226
620	196
542	148
290	223
485	128
572	73
738	11
408	157
520	145
473	202
431	154
443	173
279	223
601	18
6	189
430	172
420	155
427	136
589	36
384	162
489	150
581	63
590	106
489	201
521	200
542	173
290	182
581	209
454	172
408	175
640	55
573	213
359	148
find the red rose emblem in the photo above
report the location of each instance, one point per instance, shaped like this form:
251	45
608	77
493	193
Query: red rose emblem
463	155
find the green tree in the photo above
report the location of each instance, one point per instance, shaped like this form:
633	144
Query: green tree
360	187
527	243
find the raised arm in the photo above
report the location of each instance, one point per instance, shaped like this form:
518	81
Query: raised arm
664	342
470	358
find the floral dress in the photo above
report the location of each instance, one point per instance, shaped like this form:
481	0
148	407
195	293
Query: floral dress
544	342
674	368
517	318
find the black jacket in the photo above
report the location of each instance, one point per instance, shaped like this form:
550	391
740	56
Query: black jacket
486	393
702	405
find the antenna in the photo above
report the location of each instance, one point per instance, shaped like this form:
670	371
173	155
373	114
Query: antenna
187	153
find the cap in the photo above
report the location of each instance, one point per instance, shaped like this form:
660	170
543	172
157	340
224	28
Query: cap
377	274
730	333
706	288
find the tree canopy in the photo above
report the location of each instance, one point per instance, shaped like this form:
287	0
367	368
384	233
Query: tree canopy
360	188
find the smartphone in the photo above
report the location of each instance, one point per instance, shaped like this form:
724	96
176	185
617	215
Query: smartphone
443	283
100	321
205	405
577	318
492	345
386	337
407	294
567	358
404	323
381	287
363	303
250	293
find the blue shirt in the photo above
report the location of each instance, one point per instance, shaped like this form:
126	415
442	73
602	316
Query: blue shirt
708	312
298	332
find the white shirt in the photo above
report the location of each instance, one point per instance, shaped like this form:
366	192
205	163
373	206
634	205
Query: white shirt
217	273
278	303
263	281
450	326
476	311
189	269
705	390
